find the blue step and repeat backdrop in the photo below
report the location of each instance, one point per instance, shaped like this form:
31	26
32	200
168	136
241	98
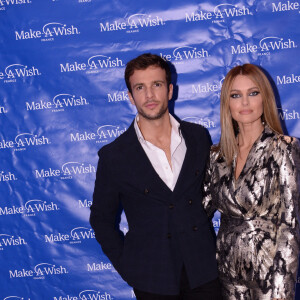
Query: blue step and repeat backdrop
63	96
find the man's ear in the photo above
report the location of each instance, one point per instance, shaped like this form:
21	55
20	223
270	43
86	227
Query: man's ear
170	93
130	98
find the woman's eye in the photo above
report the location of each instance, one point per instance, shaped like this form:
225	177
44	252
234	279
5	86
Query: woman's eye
254	93
234	96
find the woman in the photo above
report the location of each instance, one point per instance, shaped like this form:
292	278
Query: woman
253	179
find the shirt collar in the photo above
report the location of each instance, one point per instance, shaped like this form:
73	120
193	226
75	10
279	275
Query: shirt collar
174	123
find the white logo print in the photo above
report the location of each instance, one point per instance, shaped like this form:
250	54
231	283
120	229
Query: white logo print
84	203
24	140
18	71
286	114
100	267
86	295
7	176
220	12
93	65
185	53
30	208
40	271
265	46
288	6
133	23
15	298
3	110
207	87
103	134
48	32
67	171
118	96
6	3
288	79
95	295
76	235
7	240
59	103
205	122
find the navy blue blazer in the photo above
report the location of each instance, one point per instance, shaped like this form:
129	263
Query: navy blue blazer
167	229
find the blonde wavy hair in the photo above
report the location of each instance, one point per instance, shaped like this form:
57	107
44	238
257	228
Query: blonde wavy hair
229	127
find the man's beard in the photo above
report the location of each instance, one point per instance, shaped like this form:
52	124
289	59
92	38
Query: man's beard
160	113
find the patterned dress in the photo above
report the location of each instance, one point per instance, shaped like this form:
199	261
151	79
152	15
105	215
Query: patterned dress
258	240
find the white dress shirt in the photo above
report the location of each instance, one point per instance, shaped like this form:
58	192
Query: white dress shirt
158	158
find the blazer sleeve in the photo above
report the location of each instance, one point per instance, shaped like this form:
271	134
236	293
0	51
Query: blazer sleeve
286	257
104	211
207	189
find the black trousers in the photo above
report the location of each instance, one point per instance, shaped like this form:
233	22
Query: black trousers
208	291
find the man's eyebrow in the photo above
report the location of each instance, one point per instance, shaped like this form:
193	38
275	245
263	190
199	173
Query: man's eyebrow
137	84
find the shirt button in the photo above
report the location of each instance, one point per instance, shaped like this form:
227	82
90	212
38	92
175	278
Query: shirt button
171	206
146	191
195	228
169	235
190	202
197	172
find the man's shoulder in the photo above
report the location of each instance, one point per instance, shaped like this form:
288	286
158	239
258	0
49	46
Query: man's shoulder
119	143
193	129
192	126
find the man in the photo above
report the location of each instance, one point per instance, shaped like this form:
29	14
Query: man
155	171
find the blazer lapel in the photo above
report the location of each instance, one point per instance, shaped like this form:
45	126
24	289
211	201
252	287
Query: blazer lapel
189	167
141	164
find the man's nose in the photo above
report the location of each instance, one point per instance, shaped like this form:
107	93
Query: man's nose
149	93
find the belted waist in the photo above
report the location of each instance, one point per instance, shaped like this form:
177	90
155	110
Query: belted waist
255	223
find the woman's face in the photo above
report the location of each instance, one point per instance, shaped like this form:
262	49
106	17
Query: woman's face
245	104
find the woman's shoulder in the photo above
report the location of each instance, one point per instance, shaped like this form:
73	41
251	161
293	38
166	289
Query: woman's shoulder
215	153
286	142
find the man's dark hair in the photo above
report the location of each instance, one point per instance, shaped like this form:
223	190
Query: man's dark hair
144	61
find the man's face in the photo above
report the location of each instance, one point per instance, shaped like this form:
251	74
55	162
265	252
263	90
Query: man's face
150	92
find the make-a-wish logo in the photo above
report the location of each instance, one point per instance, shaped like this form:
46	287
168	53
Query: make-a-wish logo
40	271
30	209
86	295
287	115
133	23
18	71
7	176
76	236
67	170
265	46
23	141
48	32
205	122
98	267
94	64
84	203
185	53
15	298
3	110
286	6
59	102
104	134
288	79
7	3
207	87
117	96
7	240
219	13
